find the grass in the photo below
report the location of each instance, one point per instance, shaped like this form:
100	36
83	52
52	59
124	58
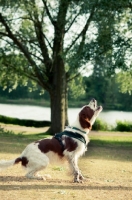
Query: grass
121	141
106	165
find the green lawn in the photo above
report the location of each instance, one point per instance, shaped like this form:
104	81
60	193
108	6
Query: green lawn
107	165
121	141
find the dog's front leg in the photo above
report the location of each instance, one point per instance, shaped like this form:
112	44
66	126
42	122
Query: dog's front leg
75	169
76	177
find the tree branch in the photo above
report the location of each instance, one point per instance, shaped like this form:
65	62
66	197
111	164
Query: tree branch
75	76
16	41
84	30
42	45
71	23
47	41
3	34
48	13
25	51
30	76
60	27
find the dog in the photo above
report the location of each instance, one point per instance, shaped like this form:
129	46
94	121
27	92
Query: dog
66	146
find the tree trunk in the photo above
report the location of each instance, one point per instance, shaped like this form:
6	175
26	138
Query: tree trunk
58	93
58	98
57	110
66	106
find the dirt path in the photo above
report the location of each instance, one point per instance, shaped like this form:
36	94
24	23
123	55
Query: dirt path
110	133
23	129
108	173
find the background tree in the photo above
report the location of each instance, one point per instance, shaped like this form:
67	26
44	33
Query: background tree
125	82
50	41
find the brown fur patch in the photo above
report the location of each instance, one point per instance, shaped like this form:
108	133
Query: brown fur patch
84	117
24	161
70	144
47	145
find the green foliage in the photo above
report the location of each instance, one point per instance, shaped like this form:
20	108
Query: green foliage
100	125
76	88
125	81
22	122
29	53
125	126
24	92
6	132
121	126
56	168
39	39
106	90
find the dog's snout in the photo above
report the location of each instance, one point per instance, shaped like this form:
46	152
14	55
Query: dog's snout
93	104
100	108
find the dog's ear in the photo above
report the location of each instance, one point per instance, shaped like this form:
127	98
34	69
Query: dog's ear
84	121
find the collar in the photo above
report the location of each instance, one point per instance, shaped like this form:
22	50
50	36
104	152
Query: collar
72	127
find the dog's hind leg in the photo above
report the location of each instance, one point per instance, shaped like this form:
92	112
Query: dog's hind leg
36	165
33	174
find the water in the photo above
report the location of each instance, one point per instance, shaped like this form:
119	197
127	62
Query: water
43	113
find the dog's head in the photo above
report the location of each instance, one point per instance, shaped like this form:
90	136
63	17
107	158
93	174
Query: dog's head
89	113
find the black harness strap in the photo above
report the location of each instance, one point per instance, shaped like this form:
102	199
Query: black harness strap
75	135
59	138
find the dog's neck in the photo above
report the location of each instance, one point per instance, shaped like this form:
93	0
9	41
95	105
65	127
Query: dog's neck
76	124
75	127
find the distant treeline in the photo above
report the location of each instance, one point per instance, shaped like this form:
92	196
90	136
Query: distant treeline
104	89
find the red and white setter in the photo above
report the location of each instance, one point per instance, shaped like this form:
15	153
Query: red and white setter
66	146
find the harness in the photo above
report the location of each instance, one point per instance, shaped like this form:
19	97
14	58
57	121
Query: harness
75	135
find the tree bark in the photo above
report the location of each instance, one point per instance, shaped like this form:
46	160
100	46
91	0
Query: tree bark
57	96
66	106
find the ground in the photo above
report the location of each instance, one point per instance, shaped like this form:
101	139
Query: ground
108	171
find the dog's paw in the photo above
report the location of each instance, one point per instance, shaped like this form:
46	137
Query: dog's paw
47	176
37	177
78	181
81	177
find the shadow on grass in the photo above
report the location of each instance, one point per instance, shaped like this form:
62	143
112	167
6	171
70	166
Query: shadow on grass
15	143
58	185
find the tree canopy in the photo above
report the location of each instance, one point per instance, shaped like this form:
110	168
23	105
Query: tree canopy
51	42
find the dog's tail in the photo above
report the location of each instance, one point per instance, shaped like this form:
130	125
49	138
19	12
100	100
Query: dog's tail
8	163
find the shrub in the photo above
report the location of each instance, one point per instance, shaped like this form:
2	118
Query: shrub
100	125
23	122
7	132
125	126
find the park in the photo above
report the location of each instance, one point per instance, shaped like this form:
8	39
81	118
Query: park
60	54
106	167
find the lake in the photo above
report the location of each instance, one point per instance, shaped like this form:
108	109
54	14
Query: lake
43	113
